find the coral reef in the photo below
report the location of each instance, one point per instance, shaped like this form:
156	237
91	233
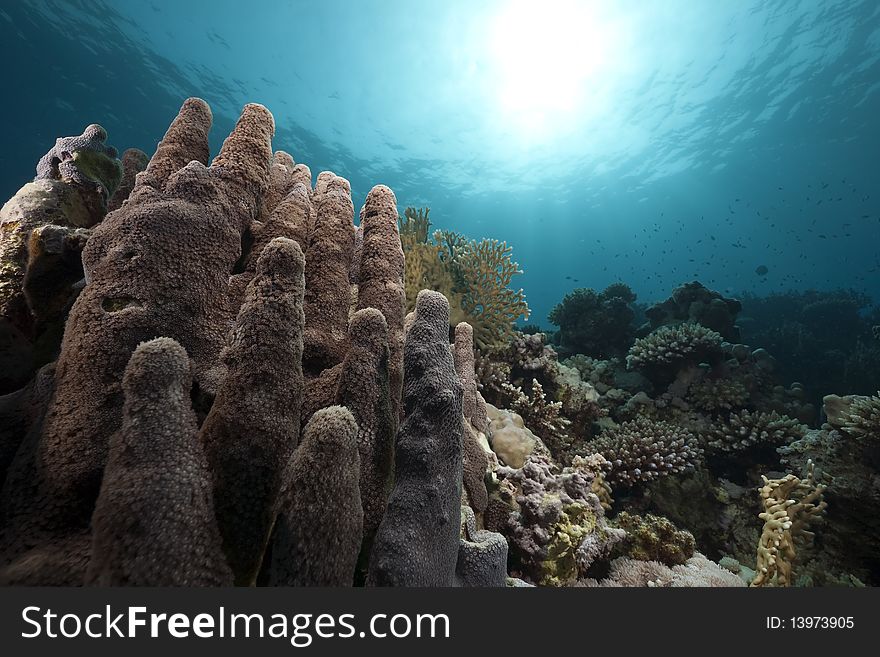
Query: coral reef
791	505
245	361
597	324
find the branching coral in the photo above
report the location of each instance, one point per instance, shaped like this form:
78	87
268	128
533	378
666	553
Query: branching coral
543	417
559	527
791	505
642	450
697	571
862	418
595	323
674	345
474	276
745	429
715	395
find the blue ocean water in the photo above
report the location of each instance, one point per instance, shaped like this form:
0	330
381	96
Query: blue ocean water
645	142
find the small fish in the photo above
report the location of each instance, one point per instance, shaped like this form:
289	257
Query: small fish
761	270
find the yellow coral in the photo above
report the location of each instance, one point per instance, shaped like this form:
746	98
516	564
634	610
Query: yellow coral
473	275
790	505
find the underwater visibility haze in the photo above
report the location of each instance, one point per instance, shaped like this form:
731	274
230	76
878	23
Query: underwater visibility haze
654	227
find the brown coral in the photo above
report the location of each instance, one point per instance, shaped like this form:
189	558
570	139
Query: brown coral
320	528
157	266
253	426
156	456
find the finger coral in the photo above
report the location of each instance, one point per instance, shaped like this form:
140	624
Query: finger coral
253	426
418	540
319	531
642	450
791	505
156	456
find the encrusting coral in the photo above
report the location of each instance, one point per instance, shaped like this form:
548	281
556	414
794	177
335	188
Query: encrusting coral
43	229
653	538
791	504
557	528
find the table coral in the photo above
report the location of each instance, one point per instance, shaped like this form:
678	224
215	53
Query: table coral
674	346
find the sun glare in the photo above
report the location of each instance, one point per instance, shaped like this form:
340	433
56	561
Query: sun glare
548	58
